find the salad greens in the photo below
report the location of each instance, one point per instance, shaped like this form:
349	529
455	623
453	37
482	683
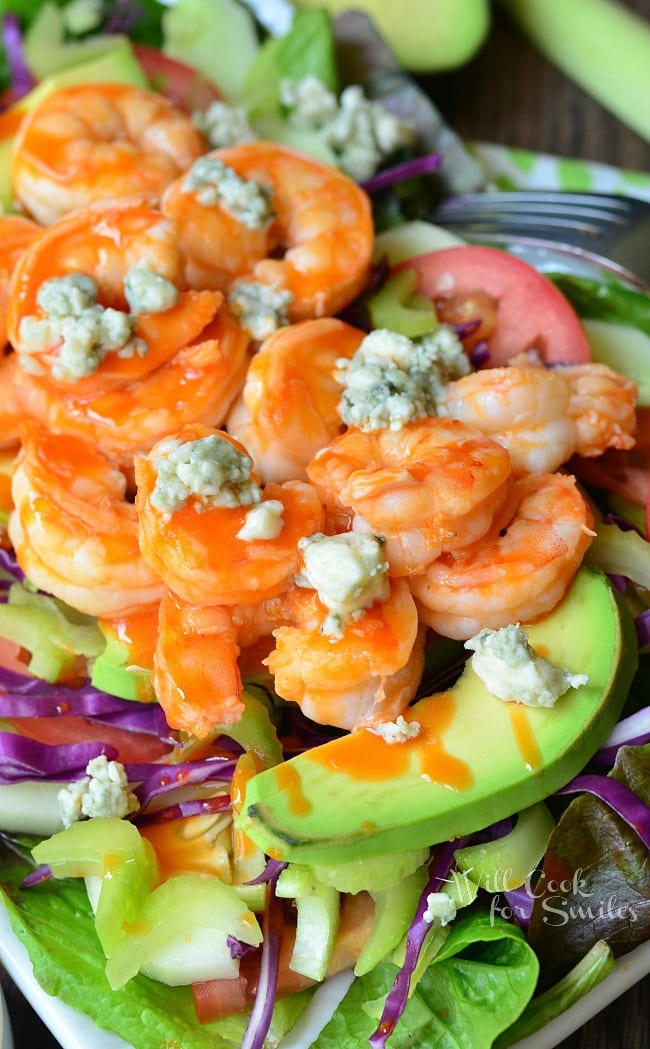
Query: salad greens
476	986
477	977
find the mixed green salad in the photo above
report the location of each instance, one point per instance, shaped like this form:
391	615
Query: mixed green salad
473	920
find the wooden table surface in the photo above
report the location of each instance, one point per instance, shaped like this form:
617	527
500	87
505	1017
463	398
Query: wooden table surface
544	112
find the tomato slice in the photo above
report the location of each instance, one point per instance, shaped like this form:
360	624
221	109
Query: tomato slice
531	312
183	85
130	746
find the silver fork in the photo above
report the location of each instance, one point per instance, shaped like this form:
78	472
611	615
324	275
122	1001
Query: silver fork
597	231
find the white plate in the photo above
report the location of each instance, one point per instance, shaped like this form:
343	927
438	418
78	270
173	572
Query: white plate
6	1038
76	1031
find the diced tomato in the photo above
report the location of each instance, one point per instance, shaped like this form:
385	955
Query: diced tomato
181	84
130	746
11	656
531	312
215	999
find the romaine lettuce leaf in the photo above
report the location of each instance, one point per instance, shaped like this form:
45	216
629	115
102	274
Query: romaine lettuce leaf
478	984
54	922
605	300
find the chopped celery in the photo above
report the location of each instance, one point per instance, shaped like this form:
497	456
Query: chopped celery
373	875
318	920
217	37
181	936
411	239
394	911
397	307
505	863
625	349
47	51
601	44
50	630
621	553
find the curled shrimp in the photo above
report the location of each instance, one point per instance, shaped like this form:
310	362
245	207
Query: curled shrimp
367	675
287	410
195	674
184	362
74	532
317	216
517	573
200	550
16	234
544	416
96	141
432	486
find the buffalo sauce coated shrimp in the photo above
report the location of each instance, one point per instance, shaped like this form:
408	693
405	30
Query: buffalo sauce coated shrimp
288	408
16	234
261	213
518	572
108	346
208	529
433	485
92	142
545	416
74	532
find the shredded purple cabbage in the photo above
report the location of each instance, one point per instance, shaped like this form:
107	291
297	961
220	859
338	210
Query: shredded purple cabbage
36	877
123	18
270	873
619	798
642	625
184	809
622	522
398	995
632	731
23	758
619	582
158	780
7	557
480	355
260	1018
22	80
238	949
411	169
467	328
521	903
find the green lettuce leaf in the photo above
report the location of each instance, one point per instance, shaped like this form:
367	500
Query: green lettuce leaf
54	922
608	301
595	883
478	984
593	968
306	50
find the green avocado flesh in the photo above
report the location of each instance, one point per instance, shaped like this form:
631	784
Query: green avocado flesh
483	759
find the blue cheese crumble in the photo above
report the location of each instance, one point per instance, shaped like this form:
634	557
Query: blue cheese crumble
260	308
512	671
216	184
84	331
149	292
398	731
349	573
209	469
224	125
264	521
103	791
392	380
441	909
361	133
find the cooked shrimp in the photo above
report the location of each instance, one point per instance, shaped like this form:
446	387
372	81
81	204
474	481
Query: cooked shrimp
239	208
517	573
16	234
544	416
195	675
183	356
97	141
288	408
196	495
74	533
434	485
368	674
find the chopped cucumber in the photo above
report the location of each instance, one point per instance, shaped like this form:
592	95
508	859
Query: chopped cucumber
625	349
411	239
217	37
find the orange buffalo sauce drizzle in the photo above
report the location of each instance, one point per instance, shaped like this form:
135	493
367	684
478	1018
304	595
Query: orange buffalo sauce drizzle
524	736
289	781
138	631
366	757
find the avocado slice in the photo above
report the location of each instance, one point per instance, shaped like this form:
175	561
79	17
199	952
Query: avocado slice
477	759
